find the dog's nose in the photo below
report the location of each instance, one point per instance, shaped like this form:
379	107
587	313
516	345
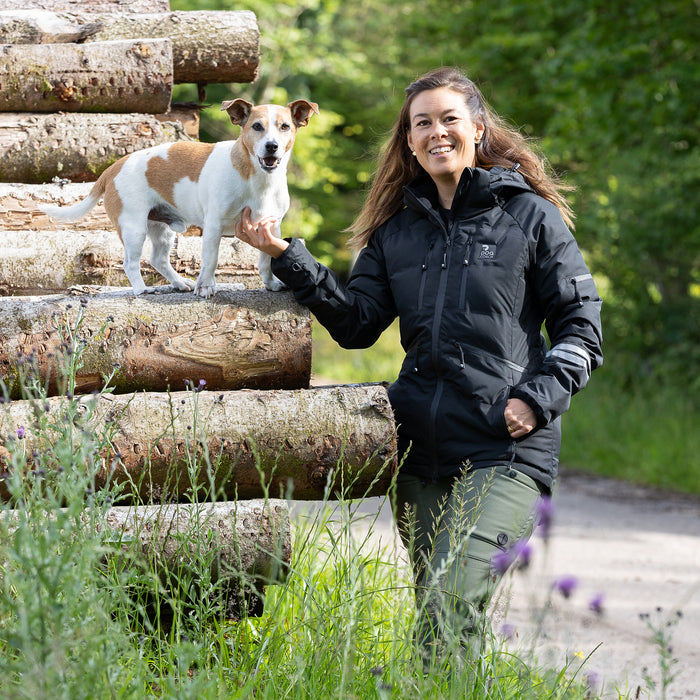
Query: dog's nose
271	147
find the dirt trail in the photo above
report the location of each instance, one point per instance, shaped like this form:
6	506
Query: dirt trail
637	550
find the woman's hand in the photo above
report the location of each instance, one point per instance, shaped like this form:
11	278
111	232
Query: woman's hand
520	418
261	235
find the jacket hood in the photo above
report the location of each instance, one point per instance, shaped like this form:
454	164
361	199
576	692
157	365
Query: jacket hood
477	188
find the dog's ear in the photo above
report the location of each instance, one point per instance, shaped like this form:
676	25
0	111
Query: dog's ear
301	111
238	110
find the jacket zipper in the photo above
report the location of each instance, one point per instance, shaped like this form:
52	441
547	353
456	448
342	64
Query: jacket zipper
424	270
435	355
465	268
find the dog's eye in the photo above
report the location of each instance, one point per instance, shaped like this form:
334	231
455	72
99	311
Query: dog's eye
258	126
285	127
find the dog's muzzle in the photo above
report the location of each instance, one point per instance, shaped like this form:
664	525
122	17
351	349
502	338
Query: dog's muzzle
269	163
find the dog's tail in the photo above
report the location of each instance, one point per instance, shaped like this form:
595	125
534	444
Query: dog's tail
79	209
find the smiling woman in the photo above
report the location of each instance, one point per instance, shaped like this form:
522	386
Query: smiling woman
443	137
465	241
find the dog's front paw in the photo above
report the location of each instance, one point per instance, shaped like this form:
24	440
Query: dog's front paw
205	290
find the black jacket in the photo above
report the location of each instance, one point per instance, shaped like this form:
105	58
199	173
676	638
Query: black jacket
472	289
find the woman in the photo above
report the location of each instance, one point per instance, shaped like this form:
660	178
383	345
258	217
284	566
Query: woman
464	237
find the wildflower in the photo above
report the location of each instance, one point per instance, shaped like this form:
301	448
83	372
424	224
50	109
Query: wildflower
566	585
507	631
20	432
545	515
520	552
592	681
202	384
502	560
596	603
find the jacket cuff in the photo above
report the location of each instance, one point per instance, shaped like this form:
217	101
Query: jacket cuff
295	265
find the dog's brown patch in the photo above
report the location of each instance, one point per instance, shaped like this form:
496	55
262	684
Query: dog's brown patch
242	160
112	201
183	160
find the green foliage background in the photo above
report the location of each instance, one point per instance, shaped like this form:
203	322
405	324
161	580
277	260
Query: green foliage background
608	91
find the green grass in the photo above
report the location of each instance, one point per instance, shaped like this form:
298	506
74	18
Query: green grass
73	601
647	435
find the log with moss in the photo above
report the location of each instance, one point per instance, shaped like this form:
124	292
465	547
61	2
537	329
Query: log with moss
202	445
106	76
236	339
36	148
208	46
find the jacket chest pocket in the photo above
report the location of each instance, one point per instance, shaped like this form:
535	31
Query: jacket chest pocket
490	274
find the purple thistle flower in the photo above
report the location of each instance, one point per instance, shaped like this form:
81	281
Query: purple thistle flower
502	560
544	511
507	631
20	432
520	552
566	585
592	681
596	603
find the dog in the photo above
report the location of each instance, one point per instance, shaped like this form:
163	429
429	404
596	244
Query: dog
162	190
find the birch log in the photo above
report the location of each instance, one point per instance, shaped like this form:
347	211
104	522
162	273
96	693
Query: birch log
208	46
107	76
240	444
36	148
47	262
237	339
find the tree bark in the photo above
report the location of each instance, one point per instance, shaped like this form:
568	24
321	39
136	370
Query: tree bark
36	148
208	46
107	76
237	339
45	262
87	5
234	445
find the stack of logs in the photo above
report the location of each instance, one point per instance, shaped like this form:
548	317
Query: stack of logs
82	83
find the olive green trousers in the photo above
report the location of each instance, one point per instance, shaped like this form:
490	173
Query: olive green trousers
452	530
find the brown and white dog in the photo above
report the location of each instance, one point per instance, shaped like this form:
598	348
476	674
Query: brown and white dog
162	190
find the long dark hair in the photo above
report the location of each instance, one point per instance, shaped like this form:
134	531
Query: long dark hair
500	144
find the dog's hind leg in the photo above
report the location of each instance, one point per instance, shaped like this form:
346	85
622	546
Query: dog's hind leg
162	238
133	237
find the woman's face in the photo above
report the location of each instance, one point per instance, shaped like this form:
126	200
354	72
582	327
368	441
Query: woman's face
442	134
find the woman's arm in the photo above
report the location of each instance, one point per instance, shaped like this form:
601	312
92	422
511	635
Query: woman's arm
355	313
